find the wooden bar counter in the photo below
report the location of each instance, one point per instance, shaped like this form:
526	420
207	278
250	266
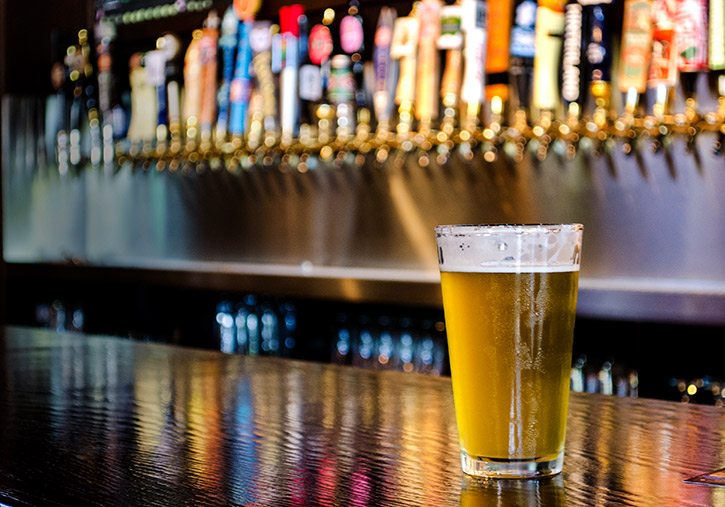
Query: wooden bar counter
90	420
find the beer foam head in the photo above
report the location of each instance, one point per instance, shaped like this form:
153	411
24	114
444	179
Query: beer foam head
509	248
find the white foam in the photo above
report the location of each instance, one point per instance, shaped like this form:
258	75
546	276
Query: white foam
509	269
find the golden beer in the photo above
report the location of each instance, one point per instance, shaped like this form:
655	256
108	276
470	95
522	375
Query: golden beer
510	339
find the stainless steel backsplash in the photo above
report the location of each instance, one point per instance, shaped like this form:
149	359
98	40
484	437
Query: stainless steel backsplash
655	221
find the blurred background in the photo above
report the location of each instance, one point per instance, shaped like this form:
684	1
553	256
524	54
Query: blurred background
335	260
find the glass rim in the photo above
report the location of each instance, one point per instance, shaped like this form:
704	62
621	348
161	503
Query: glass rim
518	229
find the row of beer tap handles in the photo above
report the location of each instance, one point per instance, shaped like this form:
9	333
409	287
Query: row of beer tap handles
499	76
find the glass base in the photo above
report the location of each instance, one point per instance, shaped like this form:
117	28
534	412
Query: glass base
479	466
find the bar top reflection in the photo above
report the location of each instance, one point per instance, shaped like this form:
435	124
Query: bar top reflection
104	421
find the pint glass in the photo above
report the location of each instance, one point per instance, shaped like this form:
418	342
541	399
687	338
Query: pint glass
509	297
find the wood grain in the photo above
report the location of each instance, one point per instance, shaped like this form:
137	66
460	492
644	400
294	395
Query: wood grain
90	420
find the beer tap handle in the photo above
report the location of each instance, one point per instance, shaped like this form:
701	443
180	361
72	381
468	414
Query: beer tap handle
246	9
516	140
74	64
241	85
90	99
208	48
59	77
662	76
155	63
572	71
240	21
716	38
170	45
492	131
450	40
404	47
309	84
320	47
105	34
716	60
720	143
598	56
688	81
341	92
598	51
386	72
260	40
192	90
660	107
427	71
352	42
142	127
636	50
550	23
523	50
451	84
498	42
691	42
691	35
429	14
289	28
497	53
105	99
228	43
473	24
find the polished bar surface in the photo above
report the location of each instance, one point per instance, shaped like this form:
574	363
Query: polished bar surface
90	420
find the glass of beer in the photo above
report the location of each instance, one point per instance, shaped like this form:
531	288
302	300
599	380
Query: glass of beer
509	298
